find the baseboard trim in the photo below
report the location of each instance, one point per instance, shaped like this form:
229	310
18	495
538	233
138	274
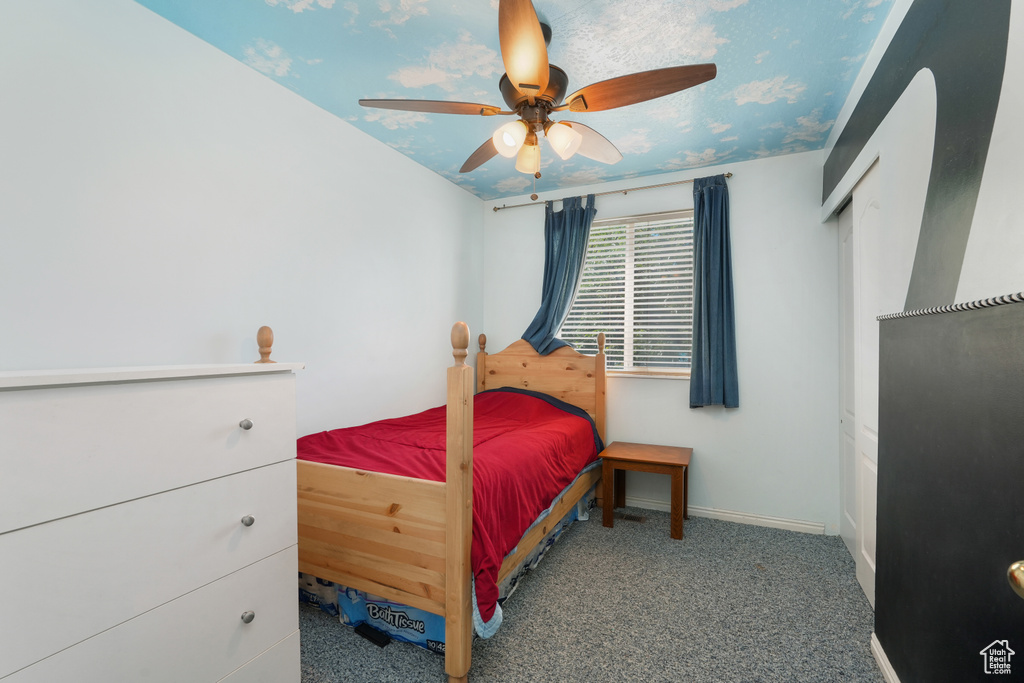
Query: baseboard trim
883	662
730	516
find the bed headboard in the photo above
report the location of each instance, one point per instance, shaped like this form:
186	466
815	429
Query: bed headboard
565	374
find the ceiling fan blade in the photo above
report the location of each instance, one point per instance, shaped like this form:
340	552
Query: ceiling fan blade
595	146
436	107
638	87
481	156
523	50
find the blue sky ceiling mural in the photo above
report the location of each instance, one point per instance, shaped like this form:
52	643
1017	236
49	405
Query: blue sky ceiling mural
785	68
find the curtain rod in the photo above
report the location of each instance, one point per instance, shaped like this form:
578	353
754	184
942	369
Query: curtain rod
626	191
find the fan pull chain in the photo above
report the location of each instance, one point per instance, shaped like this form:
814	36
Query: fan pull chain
534	195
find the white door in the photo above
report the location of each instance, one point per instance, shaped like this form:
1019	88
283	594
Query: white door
860	307
848	495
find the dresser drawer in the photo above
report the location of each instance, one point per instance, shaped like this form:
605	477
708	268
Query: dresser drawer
279	664
198	638
68	449
62	581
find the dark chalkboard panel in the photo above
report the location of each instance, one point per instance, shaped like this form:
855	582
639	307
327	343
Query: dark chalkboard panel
950	492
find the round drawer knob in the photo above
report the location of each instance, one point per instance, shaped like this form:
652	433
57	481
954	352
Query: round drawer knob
248	520
245	424
247	617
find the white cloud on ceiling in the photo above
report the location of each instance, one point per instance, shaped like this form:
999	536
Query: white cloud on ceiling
405	145
353	9
717	127
853	63
780	150
467	57
768	91
867	17
725	5
267	57
449	63
635	142
706	158
585	176
403	12
422	76
301	5
673	164
660	110
809	128
516	183
394	119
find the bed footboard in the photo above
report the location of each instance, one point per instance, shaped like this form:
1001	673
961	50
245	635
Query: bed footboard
403	539
379	533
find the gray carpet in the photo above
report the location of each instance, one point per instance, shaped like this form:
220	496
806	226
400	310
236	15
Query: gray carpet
730	602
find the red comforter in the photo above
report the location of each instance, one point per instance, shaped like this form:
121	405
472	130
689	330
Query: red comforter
525	452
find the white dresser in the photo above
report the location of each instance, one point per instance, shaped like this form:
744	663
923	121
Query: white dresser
148	525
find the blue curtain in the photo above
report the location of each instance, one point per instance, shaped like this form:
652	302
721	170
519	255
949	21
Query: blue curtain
565	244
713	365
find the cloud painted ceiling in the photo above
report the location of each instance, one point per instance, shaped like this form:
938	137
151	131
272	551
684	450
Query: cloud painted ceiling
784	69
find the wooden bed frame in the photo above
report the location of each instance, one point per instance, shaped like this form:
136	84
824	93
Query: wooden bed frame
407	539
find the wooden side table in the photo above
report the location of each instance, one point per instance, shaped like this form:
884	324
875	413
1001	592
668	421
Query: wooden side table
621	456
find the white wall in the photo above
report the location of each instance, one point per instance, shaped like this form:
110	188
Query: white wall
775	456
159	201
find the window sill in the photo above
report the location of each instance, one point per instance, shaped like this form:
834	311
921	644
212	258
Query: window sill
650	374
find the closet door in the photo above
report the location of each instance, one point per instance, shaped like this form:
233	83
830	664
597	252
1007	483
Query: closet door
867	227
848	492
860	305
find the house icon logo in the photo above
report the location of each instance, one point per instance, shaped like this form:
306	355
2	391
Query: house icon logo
997	657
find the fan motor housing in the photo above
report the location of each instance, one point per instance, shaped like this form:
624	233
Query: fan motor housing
558	83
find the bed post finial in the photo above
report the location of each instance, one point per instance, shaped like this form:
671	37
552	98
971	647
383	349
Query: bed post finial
482	341
265	339
460	342
600	342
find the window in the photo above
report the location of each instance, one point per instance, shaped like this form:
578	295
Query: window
637	288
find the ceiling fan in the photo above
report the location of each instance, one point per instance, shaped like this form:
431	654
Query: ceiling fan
533	89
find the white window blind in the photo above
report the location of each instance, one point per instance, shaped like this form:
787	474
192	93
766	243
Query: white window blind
637	288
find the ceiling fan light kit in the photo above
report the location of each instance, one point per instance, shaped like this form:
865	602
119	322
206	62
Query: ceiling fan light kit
528	159
564	140
509	138
533	89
